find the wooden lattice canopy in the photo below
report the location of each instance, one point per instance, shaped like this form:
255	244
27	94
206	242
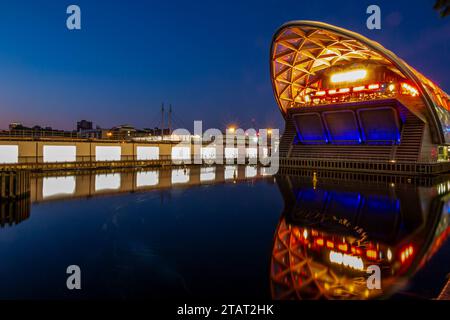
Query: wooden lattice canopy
302	51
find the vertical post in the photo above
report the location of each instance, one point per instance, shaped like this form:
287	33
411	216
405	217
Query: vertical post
162	121
170	119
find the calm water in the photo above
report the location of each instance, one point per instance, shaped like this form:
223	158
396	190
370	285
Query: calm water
228	232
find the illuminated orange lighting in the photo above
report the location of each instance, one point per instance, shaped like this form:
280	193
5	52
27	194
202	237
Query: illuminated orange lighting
409	89
320	93
343	247
332	91
373	86
348	76
371	254
319	242
360	88
344	90
330	244
406	253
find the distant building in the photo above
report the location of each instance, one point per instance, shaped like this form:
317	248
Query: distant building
84	125
123	132
18	130
15	125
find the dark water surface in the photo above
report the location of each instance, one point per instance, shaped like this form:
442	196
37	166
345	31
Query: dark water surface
211	234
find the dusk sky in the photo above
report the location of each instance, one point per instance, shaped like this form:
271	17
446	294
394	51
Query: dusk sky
209	59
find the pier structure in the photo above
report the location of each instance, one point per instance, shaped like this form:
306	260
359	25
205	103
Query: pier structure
72	153
350	104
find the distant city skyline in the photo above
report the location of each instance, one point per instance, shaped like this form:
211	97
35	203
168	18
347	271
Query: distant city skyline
209	60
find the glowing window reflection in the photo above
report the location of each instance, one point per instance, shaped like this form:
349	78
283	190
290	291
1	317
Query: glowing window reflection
180	176
207	174
107	181
251	171
54	186
230	172
147	178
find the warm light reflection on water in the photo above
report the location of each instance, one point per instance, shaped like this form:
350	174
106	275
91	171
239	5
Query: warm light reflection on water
144	226
55	186
109	181
147	178
207	174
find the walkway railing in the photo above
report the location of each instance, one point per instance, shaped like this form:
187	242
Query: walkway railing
132	160
367	165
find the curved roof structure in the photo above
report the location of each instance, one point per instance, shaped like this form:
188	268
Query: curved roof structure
302	51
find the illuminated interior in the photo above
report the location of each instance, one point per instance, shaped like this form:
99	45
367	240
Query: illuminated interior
108	153
9	154
316	65
60	153
147	153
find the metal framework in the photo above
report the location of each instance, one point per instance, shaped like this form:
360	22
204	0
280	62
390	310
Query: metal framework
303	50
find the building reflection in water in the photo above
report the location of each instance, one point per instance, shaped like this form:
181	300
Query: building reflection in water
207	174
66	185
327	236
110	181
147	178
230	172
14	212
180	176
55	186
93	183
250	171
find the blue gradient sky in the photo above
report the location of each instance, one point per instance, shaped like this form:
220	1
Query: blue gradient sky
208	58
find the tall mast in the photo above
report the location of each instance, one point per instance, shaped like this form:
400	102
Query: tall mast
170	119
162	121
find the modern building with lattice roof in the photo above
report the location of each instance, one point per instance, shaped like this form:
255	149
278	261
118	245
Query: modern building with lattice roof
349	103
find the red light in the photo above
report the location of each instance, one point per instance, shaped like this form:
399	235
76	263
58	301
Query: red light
373	86
330	244
343	247
320	93
371	254
356	250
408	89
406	253
319	242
